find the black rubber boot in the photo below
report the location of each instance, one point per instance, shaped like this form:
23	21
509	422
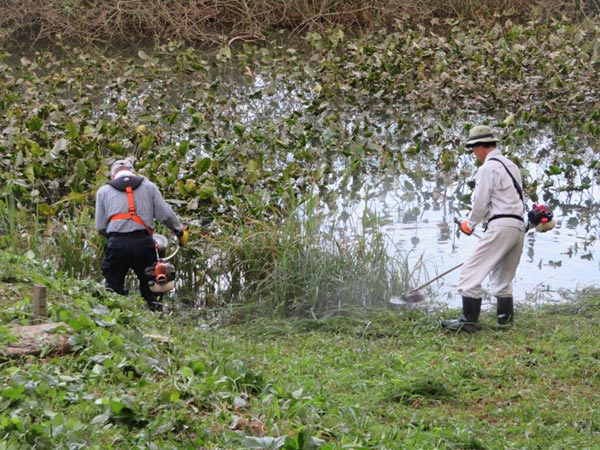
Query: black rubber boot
154	303
466	323
505	309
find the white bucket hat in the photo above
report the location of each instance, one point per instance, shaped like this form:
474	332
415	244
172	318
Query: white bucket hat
481	134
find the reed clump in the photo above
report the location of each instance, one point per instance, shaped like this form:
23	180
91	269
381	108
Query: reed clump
294	269
218	21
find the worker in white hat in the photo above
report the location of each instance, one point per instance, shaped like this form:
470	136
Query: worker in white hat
497	200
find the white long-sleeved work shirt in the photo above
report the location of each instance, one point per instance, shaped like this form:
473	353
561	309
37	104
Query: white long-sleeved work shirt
495	192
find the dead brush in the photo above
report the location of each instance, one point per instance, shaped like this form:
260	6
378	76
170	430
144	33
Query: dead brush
219	21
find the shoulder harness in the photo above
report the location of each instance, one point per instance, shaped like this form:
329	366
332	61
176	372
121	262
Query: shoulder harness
128	185
519	191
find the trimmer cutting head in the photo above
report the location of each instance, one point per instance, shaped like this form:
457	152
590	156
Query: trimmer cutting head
416	296
412	297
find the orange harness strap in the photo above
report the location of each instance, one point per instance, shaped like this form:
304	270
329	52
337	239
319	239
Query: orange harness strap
131	215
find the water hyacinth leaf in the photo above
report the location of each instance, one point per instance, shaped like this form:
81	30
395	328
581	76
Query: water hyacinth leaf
253	173
100	419
183	147
554	170
205	192
202	166
190	186
35	124
147	142
89	131
72	131
13	393
117	148
577	162
264	443
121	407
4	405
29	173
34	149
239	129
81	169
509	121
304	441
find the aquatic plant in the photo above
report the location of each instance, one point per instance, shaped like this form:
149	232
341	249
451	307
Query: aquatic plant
243	136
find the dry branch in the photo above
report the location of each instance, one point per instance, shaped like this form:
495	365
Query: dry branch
103	21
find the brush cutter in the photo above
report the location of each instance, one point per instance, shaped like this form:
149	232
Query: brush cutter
415	296
540	217
161	275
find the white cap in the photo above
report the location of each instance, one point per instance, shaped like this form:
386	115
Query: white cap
121	164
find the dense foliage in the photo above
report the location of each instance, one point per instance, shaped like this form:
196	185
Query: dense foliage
251	130
249	137
379	380
252	144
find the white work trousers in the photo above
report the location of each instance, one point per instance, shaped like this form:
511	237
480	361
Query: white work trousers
497	255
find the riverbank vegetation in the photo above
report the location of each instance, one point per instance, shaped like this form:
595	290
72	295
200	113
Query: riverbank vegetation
222	21
381	379
249	138
280	333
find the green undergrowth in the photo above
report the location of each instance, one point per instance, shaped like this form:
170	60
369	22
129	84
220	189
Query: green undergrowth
372	379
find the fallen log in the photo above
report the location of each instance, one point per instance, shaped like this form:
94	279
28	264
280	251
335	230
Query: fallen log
40	339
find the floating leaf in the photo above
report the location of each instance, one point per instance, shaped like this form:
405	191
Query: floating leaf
554	170
239	129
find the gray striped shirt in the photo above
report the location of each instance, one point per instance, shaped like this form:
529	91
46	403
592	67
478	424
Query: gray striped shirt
149	205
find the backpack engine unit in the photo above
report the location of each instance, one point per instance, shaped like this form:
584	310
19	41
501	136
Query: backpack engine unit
161	275
541	218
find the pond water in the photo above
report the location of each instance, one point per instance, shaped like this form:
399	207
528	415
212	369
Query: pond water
415	205
388	161
418	221
553	264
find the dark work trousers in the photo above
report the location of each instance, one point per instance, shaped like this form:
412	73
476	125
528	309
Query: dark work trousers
126	251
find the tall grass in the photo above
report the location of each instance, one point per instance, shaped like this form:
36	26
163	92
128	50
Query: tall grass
71	244
19	232
292	267
10	224
74	246
299	268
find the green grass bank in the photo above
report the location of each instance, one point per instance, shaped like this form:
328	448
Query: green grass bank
373	379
